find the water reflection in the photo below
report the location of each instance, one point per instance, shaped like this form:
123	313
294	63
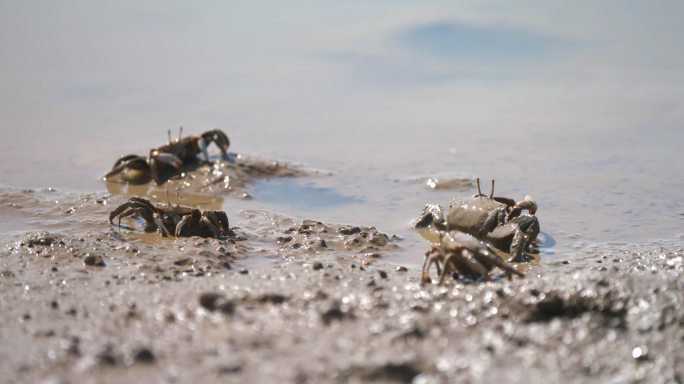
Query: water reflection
292	193
495	43
159	194
563	102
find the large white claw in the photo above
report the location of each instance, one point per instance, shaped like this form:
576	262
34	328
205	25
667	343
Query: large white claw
530	204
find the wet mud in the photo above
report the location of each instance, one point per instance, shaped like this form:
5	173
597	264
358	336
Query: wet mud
284	299
230	176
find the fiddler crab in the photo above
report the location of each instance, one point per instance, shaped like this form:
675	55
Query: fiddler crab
173	219
167	161
494	219
463	254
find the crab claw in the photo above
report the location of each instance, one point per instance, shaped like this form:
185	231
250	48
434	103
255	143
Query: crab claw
214	136
432	215
164	165
527	203
131	169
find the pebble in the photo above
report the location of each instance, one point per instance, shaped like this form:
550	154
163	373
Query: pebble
144	355
94	261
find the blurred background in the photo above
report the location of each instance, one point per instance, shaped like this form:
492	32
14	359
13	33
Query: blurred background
580	104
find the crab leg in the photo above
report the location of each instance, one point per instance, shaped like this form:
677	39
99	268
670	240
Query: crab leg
165	232
505	200
209	224
135	207
219	219
139	211
190	220
528	230
432	256
131	169
179	227
447	260
126	159
424	276
492	260
159	161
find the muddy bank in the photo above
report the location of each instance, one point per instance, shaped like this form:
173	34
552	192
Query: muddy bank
231	176
288	300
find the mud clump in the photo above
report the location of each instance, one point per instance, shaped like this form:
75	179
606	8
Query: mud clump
44	239
555	304
216	302
335	312
94	261
312	237
144	355
387	373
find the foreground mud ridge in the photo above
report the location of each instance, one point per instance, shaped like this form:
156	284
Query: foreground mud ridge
286	300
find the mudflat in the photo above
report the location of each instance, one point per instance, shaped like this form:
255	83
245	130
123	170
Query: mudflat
295	300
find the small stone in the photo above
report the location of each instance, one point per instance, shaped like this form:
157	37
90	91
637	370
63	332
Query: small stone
6	273
39	238
94	260
243	271
273	298
348	230
401	268
640	353
216	302
181	262
106	356
208	300
144	355
382	274
378	239
317	265
284	239
230	368
333	314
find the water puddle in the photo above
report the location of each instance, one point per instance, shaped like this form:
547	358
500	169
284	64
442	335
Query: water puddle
300	195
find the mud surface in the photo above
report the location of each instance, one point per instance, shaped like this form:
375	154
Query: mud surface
229	176
291	300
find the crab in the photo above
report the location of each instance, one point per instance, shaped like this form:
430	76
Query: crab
463	254
167	161
498	220
173	220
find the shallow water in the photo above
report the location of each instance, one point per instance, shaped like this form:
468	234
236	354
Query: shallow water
581	108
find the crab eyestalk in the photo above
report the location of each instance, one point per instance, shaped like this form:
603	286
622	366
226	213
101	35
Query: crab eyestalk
479	190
